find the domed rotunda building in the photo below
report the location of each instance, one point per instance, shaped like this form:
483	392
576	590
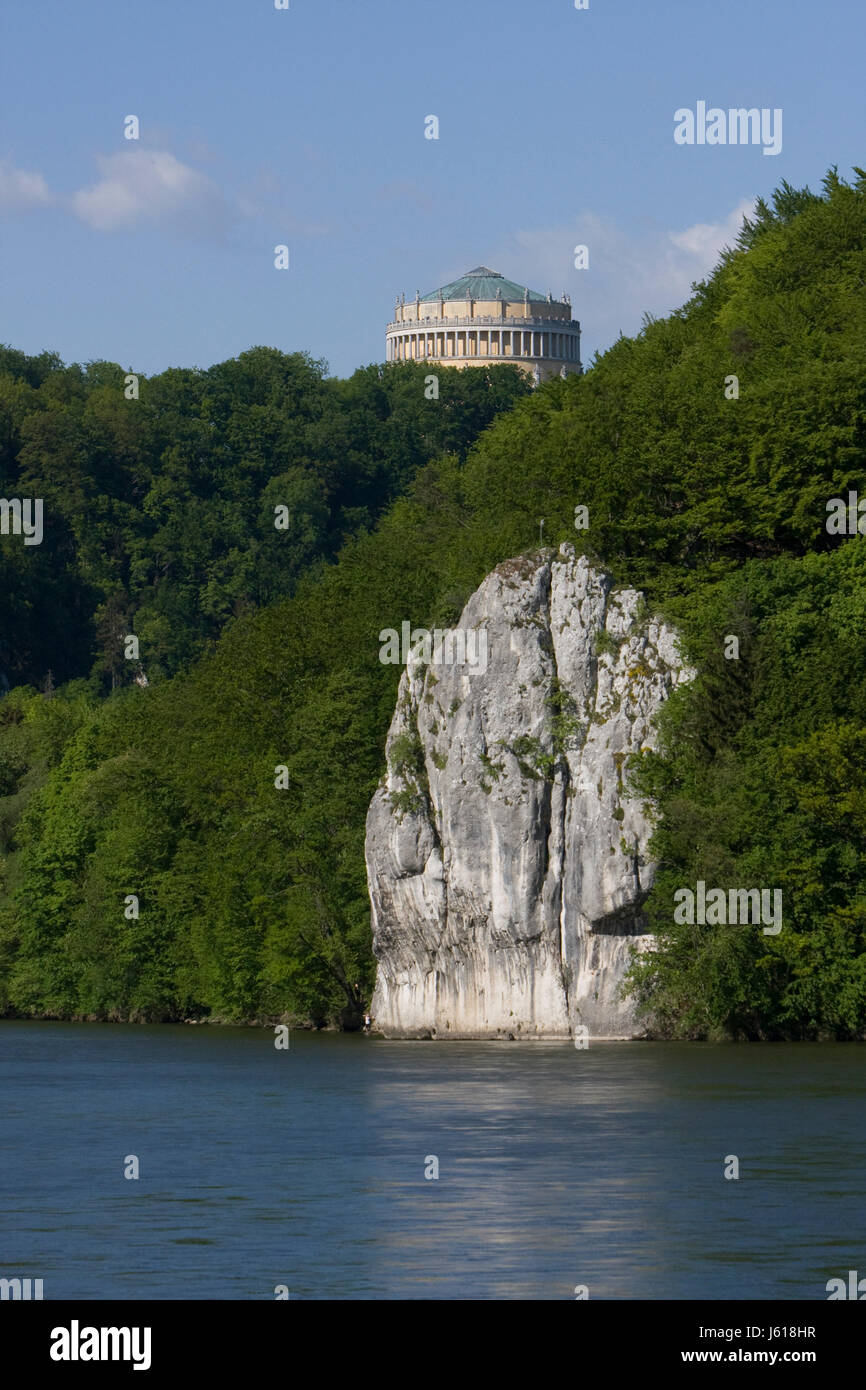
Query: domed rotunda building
482	319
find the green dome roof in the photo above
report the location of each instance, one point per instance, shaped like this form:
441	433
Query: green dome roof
482	283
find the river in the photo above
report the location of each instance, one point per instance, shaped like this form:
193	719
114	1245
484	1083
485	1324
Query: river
305	1168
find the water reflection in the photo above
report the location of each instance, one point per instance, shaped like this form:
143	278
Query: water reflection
557	1166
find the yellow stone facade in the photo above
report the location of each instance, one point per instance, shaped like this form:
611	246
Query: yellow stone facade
511	324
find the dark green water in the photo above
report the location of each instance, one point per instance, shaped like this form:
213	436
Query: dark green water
306	1168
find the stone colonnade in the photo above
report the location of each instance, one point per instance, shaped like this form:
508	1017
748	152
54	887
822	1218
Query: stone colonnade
441	343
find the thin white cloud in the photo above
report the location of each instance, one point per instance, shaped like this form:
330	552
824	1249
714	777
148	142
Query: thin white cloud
22	188
629	274
142	185
706	239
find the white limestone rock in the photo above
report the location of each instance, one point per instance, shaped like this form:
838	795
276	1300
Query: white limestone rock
507	868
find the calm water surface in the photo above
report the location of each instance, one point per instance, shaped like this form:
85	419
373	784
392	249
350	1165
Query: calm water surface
306	1168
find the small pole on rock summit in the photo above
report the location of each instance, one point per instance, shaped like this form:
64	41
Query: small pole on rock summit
541	531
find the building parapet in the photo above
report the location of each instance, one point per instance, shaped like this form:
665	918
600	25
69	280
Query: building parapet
493	319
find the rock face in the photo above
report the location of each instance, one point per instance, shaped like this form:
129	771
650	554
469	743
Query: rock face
506	866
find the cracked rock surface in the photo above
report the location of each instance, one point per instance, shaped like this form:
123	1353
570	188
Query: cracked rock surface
507	867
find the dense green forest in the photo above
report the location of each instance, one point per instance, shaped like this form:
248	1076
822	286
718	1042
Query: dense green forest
160	509
252	896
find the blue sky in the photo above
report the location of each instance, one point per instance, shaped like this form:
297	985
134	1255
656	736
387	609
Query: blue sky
305	127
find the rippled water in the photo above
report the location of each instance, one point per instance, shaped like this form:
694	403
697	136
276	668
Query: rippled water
557	1167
